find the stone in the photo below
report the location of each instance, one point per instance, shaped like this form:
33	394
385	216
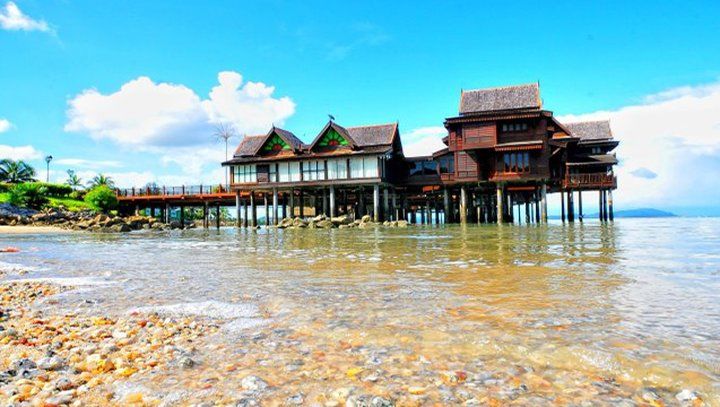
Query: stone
186	362
366	219
51	363
325	224
24	364
402	223
64	397
253	383
319	218
64	383
295	400
341	220
686	396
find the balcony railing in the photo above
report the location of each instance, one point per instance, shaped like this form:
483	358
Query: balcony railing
591	180
183	190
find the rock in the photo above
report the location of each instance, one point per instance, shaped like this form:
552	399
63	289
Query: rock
64	397
24	364
121	228
650	395
51	363
341	220
186	362
319	218
246	402
686	396
285	223
366	219
64	383
381	402
253	383
402	223
325	224
295	400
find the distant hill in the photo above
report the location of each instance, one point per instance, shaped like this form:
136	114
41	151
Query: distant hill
639	213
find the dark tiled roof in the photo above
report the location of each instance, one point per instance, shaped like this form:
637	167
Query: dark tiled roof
377	135
596	130
503	98
290	138
248	145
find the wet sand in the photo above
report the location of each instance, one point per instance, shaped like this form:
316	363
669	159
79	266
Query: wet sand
30	230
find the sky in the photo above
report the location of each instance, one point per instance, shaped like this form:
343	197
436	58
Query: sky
135	89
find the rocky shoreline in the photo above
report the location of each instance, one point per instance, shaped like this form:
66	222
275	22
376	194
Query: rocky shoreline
339	222
85	220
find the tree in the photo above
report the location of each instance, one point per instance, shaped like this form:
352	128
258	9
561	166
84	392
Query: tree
102	198
28	195
73	180
224	132
101	180
15	172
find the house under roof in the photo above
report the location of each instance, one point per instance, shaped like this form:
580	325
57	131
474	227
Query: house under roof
518	97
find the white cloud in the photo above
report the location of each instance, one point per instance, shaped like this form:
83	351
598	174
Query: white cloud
173	121
669	148
423	141
5	125
11	18
19	153
88	164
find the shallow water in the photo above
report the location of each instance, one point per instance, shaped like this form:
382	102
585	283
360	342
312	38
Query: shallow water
637	300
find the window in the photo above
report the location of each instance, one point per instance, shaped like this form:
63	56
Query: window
370	167
447	164
273	173
356	167
516	162
337	168
510	127
294	171
245	173
313	170
283	172
426	167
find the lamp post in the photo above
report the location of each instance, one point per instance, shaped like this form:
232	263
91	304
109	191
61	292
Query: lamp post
47	173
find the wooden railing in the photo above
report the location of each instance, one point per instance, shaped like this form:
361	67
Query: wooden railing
183	190
598	180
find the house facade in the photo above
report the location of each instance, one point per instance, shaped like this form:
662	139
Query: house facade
503	151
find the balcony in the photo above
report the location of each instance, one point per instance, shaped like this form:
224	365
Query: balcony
590	180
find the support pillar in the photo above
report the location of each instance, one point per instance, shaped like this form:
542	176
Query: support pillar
562	206
238	220
386	204
284	205
376	203
182	217
395	209
543	204
527	210
292	203
333	211
275	206
167	213
580	211
446	204
266	201
600	205
605	205
571	206
500	199
206	216
217	216
302	203
422	215
253	211
610	205
463	204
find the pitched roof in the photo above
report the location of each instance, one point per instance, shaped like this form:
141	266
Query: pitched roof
376	135
502	98
248	145
595	130
289	138
340	129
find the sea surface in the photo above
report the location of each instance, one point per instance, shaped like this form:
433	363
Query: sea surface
637	300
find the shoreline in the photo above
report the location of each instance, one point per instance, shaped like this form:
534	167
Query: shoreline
31	230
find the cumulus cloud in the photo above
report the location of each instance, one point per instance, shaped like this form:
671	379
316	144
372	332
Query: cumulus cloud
423	141
173	121
19	153
5	125
88	164
669	147
12	18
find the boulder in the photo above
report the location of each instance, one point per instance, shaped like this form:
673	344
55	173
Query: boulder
402	223
286	223
325	224
341	220
319	218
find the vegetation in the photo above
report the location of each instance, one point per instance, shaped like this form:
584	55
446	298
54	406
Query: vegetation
73	181
101	180
102	198
28	195
15	172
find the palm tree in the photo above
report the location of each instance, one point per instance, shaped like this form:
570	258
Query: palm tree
73	180
224	132
15	172
100	180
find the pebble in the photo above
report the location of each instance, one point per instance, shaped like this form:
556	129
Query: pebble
253	383
51	363
686	396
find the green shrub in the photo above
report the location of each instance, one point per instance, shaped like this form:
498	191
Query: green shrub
28	195
56	190
77	195
4	187
101	198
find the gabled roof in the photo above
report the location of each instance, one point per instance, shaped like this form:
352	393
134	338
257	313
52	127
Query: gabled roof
248	145
287	137
594	130
375	135
338	128
518	97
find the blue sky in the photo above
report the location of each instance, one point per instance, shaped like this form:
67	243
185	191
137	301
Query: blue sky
125	87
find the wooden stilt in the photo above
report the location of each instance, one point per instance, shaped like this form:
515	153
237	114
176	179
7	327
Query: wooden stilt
245	213
562	206
253	211
217	216
580	211
238	218
446	204
499	204
206	216
275	205
571	206
463	204
543	205
376	203
605	206
301	201
601	216
527	210
266	203
332	202
610	205
182	216
283	204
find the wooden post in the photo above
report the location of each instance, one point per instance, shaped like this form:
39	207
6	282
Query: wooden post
333	210
580	211
543	205
422	215
253	210
605	205
275	206
238	221
600	205
500	199
167	213
245	205
571	206
386	204
463	204
182	217
206	220
428	211
284	205
446	204
217	216
376	203
324	206
519	205
610	205
266	201
413	216
292	203
527	210
562	206
301	198
395	210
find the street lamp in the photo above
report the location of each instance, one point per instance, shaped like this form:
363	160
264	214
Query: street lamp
47	174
